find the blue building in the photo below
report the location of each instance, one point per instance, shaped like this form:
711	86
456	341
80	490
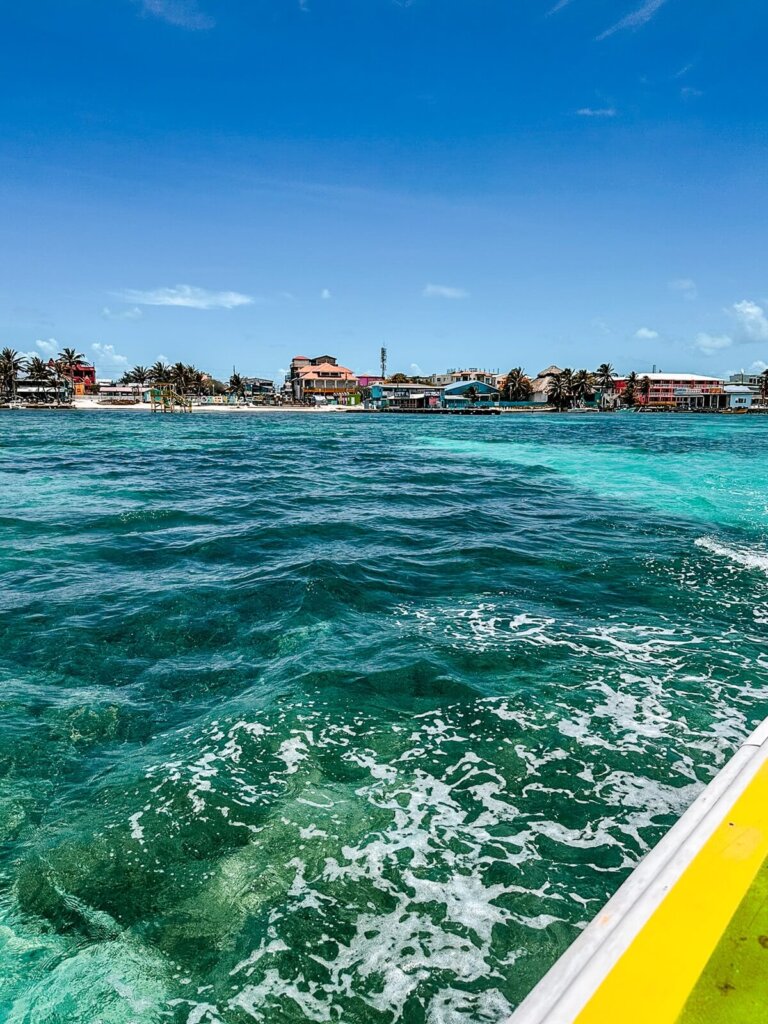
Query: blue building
468	394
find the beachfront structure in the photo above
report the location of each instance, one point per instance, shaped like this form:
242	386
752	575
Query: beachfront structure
466	394
367	380
680	391
49	391
387	395
542	383
82	375
319	380
255	386
464	376
738	396
122	394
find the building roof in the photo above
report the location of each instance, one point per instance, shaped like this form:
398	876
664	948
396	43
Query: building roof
462	386
549	372
694	377
316	370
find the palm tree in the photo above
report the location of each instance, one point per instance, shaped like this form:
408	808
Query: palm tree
237	385
605	377
68	359
517	386
764	385
159	372
200	380
583	385
11	365
645	389
138	375
472	394
40	372
629	395
559	391
180	377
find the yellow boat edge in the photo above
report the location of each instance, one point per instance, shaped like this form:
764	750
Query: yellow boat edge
645	952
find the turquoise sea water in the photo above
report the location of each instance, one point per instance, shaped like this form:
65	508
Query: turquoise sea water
349	718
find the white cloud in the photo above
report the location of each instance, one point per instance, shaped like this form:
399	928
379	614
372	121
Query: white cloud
442	291
685	286
182	13
50	346
163	359
187	296
558	6
325	293
710	343
752	320
646	334
636	19
596	112
134	313
758	366
106	356
689	93
416	370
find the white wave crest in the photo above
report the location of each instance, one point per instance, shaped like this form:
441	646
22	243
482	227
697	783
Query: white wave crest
747	557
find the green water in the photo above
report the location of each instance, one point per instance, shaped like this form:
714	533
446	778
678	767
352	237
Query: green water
349	718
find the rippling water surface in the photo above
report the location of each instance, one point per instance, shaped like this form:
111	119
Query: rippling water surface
348	718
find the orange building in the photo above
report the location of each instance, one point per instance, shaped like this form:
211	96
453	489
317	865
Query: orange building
320	378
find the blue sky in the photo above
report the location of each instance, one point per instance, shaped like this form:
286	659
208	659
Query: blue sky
482	182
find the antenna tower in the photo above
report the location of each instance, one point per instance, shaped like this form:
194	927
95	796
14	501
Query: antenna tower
383	362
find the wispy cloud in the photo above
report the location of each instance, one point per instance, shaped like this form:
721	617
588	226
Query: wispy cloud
134	313
646	334
49	346
558	7
182	13
758	366
751	325
105	355
708	344
636	19
442	291
187	296
685	286
596	112
689	93
751	320
325	293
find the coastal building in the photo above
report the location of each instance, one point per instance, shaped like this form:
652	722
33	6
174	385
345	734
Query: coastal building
259	386
680	390
542	383
464	376
43	392
386	395
739	396
121	394
82	376
367	380
469	393
752	380
319	380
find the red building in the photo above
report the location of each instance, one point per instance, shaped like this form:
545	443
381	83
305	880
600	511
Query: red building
82	375
678	390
